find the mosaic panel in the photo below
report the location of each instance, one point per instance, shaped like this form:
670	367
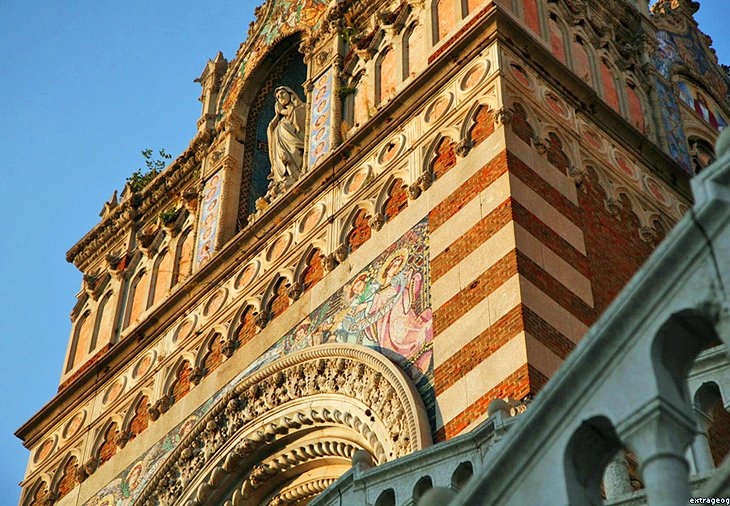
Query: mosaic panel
282	18
320	137
703	106
672	123
209	219
386	307
687	49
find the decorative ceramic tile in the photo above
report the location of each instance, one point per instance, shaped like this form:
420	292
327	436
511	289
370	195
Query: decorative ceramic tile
209	218
320	136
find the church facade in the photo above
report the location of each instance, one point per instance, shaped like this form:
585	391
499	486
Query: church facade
394	214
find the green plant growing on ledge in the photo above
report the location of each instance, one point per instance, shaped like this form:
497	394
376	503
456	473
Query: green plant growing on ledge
346	91
168	216
142	177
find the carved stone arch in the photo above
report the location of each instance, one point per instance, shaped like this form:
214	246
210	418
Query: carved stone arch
127	419
559	149
172	375
235	330
305	268
384	192
356	220
276	292
301	413
466	130
655	217
60	473
430	148
100	436
677	342
207	347
522	121
34	495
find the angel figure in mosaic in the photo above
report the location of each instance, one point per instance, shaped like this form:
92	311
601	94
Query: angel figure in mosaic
357	317
398	325
286	138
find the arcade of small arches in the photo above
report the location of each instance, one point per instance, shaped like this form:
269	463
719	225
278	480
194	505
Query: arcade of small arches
162	261
285	432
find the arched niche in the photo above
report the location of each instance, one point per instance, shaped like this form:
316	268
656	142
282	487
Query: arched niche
283	66
292	427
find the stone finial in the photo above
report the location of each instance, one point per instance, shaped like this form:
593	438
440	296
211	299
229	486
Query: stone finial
109	205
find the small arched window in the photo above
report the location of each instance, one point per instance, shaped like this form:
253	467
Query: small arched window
81	341
636	111
445	18
532	15
557	39
161	277
385	76
136	297
104	322
184	257
582	61
610	91
414	51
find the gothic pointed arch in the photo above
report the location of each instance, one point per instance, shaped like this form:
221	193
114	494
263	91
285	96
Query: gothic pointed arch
294	425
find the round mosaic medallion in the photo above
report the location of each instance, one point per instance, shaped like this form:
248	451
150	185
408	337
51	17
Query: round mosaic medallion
143	365
216	302
520	74
593	139
114	391
44	450
279	247
556	104
625	166
312	218
391	149
438	108
657	192
185	329
247	275
357	180
474	76
73	426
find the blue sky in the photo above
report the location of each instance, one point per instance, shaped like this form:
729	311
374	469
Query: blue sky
85	86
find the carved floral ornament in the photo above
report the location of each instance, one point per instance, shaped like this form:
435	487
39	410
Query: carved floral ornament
308	411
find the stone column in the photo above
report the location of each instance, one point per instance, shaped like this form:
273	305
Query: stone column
659	435
616	479
701	454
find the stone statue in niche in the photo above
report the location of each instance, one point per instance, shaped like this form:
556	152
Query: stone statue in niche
286	139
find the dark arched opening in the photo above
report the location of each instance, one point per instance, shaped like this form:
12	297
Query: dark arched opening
284	66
